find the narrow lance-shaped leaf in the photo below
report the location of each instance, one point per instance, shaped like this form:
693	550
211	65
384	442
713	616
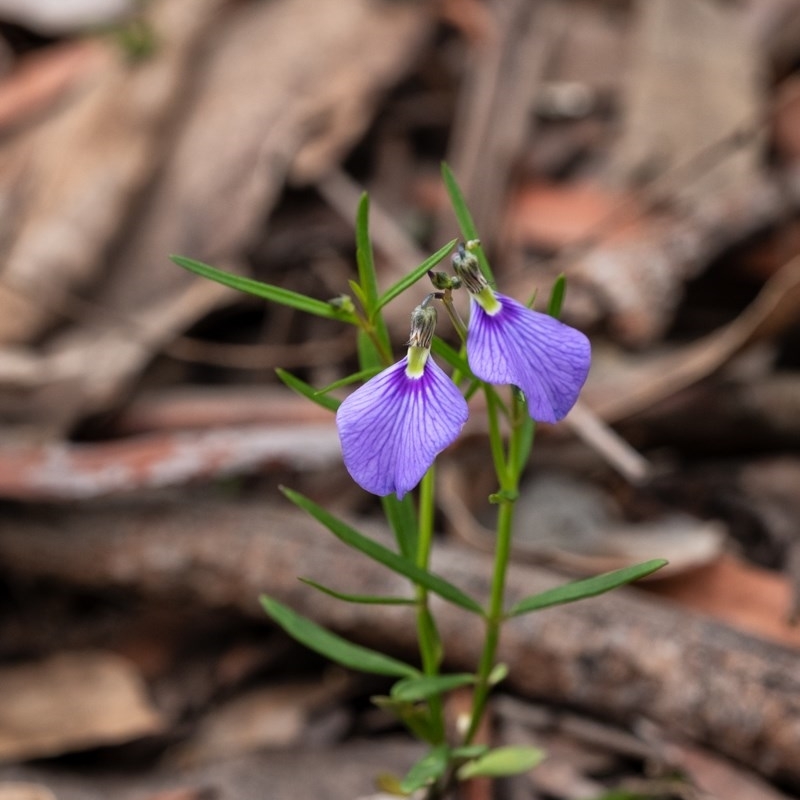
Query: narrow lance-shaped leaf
368	281
304	389
415	689
332	646
266	291
410	279
364	256
557	294
428	769
369	356
589	587
383	555
451	356
356	377
502	761
363	599
403	522
464	217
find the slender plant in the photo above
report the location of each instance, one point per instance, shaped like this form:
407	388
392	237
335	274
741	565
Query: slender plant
531	368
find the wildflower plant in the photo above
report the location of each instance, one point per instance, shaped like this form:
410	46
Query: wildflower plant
531	368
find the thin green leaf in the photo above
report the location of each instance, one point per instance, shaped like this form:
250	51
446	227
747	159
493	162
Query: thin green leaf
368	282
526	433
472	389
364	599
364	256
402	519
355	287
369	357
304	389
332	646
557	296
362	375
266	291
465	221
502	761
383	555
415	716
410	279
589	587
412	690
469	751
428	769
451	356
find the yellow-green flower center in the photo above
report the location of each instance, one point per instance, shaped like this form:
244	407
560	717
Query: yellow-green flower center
487	300
417	357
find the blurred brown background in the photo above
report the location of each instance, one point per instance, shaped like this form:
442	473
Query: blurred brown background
648	149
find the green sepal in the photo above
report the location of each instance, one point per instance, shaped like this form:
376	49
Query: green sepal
412	690
557	293
588	587
410	279
332	646
427	770
465	221
266	291
363	599
500	762
306	390
383	555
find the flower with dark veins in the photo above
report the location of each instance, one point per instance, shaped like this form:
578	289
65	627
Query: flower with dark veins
508	343
393	427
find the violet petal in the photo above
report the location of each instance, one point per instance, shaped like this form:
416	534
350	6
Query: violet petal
547	359
394	426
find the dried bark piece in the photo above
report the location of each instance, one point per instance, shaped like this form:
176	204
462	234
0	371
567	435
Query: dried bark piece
67	185
695	77
623	655
82	471
72	701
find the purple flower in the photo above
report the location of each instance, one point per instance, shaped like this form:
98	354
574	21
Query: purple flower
394	426
509	343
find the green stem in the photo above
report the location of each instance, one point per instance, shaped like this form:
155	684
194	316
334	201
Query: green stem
426	509
508	478
496	437
429	642
494	615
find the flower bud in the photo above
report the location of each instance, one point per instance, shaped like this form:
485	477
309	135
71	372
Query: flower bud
468	270
423	324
